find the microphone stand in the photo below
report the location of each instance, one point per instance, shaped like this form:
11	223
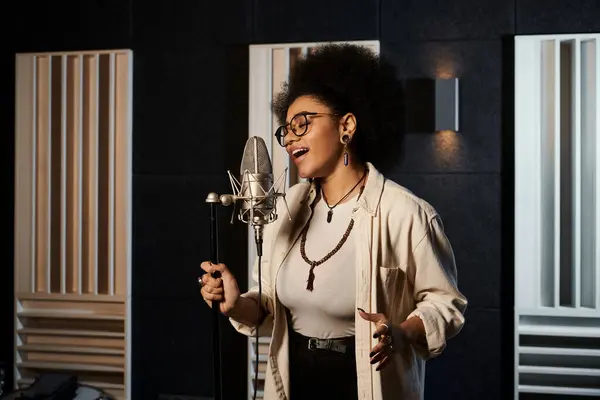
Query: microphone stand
213	200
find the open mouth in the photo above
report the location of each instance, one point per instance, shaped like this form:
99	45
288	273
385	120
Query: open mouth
299	152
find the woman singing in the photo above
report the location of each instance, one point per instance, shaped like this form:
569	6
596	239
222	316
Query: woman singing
359	288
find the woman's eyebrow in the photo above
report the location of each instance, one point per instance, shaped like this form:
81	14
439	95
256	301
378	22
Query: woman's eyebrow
299	113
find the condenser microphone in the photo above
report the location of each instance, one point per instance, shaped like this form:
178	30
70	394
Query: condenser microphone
256	192
257	175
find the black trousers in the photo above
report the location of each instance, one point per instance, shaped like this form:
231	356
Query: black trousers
321	374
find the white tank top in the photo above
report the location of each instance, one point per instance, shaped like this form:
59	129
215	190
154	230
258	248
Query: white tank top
328	311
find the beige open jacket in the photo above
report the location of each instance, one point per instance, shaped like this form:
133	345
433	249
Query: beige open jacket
405	268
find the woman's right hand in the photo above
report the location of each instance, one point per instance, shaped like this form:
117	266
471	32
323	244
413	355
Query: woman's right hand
223	290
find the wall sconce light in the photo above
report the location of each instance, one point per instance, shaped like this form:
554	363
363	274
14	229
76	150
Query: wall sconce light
446	104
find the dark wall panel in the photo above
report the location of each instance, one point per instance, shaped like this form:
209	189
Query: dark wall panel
477	65
470	365
172	354
172	233
315	20
190	126
190	25
71	25
190	109
469	205
460	174
557	16
419	20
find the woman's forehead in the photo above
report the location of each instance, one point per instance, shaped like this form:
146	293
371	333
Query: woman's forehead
305	104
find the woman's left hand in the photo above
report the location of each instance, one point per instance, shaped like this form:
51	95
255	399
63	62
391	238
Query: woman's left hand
381	352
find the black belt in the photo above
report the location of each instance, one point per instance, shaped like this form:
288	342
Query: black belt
340	345
337	345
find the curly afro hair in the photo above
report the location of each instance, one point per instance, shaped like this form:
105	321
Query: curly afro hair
352	78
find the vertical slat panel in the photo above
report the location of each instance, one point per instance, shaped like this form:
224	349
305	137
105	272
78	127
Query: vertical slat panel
294	54
576	186
56	171
104	93
269	92
63	176
280	69
259	115
290	164
51	162
528	248
25	168
43	174
566	171
588	166
111	179
90	175
34	168
547	363
259	72
557	166
548	143
78	181
296	177
260	86
596	129
123	285
73	174
122	170
57	153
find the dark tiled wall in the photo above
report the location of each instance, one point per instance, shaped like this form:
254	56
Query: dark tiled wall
7	169
190	116
461	174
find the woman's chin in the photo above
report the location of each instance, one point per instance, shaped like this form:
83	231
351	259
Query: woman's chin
306	173
303	175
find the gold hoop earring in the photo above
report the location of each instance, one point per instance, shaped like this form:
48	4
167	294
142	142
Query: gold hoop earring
345	141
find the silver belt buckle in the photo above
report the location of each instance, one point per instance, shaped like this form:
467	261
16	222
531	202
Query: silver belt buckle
312	343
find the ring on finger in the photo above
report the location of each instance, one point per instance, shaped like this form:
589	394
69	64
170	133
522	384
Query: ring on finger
388	340
201	281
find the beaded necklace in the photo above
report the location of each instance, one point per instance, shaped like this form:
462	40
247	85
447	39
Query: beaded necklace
315	263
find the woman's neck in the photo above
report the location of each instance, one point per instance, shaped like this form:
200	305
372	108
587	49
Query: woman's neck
337	184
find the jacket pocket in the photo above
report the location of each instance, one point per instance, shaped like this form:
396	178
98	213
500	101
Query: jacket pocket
391	284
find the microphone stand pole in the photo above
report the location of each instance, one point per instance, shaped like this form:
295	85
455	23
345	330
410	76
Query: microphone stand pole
213	201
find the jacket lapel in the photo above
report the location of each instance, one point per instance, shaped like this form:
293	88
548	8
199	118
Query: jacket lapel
289	230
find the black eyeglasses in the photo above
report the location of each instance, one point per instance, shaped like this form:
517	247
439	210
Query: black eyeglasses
298	125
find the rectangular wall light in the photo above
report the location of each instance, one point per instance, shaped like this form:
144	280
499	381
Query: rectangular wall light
446	104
